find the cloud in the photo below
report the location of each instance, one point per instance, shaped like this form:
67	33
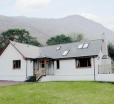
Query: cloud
27	5
106	21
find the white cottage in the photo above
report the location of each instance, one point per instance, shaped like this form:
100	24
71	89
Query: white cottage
74	61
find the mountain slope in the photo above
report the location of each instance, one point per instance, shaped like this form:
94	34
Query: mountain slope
45	28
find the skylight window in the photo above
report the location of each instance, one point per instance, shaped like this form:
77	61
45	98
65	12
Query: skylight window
85	45
58	48
80	46
65	52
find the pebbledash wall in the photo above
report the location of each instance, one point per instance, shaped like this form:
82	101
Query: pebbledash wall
6	65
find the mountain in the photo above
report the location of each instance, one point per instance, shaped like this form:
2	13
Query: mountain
45	28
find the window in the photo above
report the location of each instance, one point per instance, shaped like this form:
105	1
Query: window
105	57
42	64
83	62
85	45
58	48
58	64
16	64
80	46
65	52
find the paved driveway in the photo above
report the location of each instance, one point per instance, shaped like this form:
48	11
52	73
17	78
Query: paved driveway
6	83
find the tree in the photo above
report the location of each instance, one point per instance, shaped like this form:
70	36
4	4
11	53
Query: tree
77	37
111	50
60	39
18	35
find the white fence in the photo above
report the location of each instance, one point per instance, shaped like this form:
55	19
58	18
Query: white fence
105	69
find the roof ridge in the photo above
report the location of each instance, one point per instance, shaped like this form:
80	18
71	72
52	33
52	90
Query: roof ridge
71	43
14	42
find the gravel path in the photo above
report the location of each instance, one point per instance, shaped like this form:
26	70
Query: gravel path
6	83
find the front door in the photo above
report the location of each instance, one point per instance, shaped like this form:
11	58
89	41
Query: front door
47	66
39	66
43	65
50	68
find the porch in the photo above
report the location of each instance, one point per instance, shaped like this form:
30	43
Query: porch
43	67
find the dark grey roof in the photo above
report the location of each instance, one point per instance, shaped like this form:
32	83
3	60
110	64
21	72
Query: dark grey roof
92	50
30	51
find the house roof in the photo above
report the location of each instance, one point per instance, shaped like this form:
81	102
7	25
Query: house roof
26	50
59	51
93	49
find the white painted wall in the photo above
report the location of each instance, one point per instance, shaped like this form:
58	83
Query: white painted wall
68	71
68	67
29	68
6	65
67	78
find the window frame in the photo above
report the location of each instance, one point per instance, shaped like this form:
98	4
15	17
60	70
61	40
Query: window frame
58	64
83	66
16	64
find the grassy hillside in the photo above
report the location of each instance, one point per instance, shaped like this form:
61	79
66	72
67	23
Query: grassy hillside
58	93
44	28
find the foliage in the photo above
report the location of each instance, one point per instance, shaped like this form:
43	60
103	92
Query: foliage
59	39
111	50
58	93
18	35
77	37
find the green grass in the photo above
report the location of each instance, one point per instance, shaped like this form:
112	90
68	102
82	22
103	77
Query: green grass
58	93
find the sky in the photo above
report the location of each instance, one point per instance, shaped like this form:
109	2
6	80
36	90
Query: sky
101	11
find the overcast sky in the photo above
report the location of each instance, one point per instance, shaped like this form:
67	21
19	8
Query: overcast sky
101	11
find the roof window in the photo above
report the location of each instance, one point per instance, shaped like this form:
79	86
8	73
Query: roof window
80	46
85	45
65	52
58	48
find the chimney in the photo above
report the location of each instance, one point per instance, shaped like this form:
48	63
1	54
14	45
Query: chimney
104	45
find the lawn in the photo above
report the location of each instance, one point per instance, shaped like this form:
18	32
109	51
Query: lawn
58	93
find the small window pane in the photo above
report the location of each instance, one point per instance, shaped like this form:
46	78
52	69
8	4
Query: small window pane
65	52
85	45
80	46
59	47
16	64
